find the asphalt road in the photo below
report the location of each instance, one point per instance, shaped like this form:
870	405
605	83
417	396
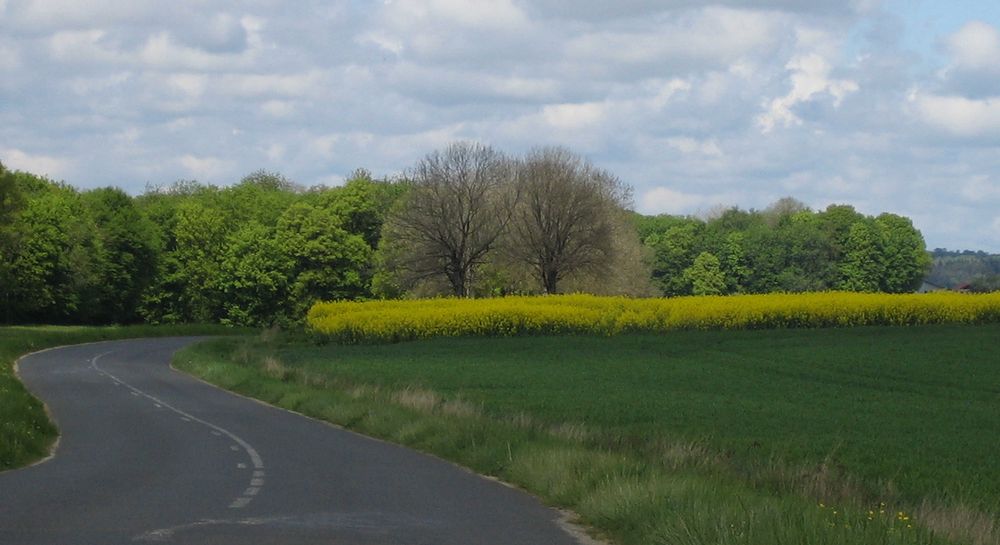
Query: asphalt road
150	455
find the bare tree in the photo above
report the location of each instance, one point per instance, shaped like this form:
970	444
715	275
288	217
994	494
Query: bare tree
460	203
566	220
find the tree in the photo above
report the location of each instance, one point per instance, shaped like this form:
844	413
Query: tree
864	263
200	233
326	261
905	254
734	263
131	247
460	203
705	275
260	196
253	277
362	204
51	273
565	220
673	251
11	199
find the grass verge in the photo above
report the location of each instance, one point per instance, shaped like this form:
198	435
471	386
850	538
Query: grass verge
26	434
872	435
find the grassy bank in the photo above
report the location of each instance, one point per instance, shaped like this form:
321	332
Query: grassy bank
848	436
26	434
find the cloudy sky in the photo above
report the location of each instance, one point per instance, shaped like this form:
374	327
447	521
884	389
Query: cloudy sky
889	105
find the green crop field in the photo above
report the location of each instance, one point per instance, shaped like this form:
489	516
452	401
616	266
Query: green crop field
887	433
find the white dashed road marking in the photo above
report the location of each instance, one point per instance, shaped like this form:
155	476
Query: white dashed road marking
258	463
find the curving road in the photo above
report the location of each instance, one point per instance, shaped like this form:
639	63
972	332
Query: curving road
149	455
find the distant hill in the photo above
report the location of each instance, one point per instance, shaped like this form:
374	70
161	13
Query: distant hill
951	269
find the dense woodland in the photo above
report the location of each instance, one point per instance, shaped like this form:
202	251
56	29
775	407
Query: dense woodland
467	221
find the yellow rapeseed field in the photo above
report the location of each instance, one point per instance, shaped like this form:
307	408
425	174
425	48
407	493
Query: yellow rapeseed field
402	320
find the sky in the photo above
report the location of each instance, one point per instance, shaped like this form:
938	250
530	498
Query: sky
889	106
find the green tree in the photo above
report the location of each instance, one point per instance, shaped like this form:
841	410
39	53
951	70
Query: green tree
11	202
260	196
201	232
734	262
52	270
362	204
766	259
674	250
705	275
253	277
836	221
863	267
131	247
326	261
904	254
11	199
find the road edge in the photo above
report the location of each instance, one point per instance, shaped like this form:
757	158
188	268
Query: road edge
16	368
566	519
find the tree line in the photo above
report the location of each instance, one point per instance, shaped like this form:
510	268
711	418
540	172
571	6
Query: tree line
466	220
787	247
976	271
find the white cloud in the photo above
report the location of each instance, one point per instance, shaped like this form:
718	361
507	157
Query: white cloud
10	58
275	152
442	29
47	14
692	146
384	41
975	46
75	46
98	85
189	84
212	169
602	10
664	200
278	108
581	126
448	85
664	92
714	35
810	77
573	117
254	85
958	115
162	51
220	33
981	188
475	14
46	165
